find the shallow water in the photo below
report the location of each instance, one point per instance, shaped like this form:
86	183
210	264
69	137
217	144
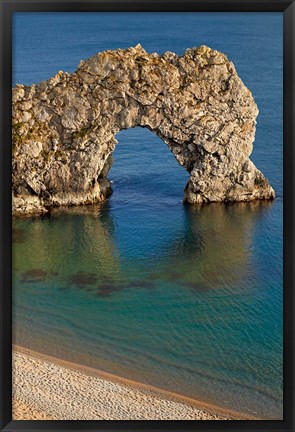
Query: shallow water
185	298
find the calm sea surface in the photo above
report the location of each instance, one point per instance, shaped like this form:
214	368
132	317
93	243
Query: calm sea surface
184	298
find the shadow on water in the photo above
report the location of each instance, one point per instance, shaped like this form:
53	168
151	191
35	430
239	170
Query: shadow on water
76	248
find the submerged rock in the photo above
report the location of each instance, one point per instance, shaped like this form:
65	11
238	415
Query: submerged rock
83	279
34	275
64	128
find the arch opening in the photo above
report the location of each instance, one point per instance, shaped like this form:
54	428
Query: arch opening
144	170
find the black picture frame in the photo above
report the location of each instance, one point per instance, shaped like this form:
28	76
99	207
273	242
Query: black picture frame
7	8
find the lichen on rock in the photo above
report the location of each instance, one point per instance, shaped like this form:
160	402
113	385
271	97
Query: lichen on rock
64	129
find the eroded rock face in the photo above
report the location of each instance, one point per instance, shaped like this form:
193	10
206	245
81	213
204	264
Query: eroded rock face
64	128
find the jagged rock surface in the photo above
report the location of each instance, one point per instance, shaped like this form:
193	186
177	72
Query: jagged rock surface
64	128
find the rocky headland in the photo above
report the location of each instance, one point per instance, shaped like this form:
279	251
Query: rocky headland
64	129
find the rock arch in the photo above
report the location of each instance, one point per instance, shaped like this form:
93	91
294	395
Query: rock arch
64	128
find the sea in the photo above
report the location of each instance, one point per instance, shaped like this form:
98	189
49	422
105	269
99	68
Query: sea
185	298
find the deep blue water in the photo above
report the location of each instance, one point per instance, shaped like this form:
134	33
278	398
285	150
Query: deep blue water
184	298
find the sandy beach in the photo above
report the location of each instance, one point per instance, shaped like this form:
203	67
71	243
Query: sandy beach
46	388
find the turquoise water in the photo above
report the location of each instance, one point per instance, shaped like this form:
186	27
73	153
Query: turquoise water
185	298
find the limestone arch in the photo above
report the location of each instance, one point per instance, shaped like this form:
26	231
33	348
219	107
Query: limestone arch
64	128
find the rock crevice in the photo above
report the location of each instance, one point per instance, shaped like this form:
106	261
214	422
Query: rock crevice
64	128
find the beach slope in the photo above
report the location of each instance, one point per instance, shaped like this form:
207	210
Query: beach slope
45	388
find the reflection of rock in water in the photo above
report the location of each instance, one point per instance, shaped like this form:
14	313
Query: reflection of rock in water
210	250
221	235
56	240
89	210
19	235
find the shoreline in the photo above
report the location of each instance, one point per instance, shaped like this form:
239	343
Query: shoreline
123	398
